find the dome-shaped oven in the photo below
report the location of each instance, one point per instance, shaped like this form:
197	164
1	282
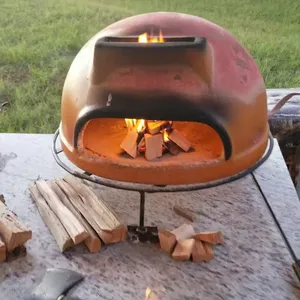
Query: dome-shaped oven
164	98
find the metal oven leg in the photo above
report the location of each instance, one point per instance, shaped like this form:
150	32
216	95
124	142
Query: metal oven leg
142	233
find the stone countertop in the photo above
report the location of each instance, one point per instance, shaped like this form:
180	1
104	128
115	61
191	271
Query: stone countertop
252	264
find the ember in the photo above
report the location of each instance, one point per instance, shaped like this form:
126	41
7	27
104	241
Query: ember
153	139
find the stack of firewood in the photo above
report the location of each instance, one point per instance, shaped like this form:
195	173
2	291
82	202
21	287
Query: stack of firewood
13	234
152	139
183	243
74	214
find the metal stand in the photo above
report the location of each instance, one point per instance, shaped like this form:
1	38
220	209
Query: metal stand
142	233
296	263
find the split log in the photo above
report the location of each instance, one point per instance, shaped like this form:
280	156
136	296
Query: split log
74	228
167	241
183	249
179	140
95	211
2	251
86	210
153	145
198	253
214	238
56	228
209	252
92	242
129	144
185	231
13	232
172	147
185	213
154	127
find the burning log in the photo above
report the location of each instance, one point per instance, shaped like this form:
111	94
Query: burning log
129	143
152	138
179	140
153	145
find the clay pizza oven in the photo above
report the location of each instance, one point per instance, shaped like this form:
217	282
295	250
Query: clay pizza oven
164	99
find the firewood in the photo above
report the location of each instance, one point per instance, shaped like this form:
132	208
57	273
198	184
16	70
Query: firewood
172	147
214	237
86	210
2	251
56	228
185	213
13	232
16	253
179	140
209	252
154	126
129	144
95	211
183	249
74	228
141	144
198	253
92	242
167	241
153	146
183	232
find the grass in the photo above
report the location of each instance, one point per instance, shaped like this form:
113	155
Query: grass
39	39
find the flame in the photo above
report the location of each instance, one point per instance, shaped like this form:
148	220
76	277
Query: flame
144	38
165	136
138	125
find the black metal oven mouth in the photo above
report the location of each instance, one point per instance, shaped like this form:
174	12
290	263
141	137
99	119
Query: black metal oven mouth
169	42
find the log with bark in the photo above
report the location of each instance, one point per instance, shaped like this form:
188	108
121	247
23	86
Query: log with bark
12	231
13	234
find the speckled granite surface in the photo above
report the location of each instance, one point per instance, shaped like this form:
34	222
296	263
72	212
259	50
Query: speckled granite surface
253	263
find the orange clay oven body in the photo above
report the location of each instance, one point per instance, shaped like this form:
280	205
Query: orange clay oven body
225	73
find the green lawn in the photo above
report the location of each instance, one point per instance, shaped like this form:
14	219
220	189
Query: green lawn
39	39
